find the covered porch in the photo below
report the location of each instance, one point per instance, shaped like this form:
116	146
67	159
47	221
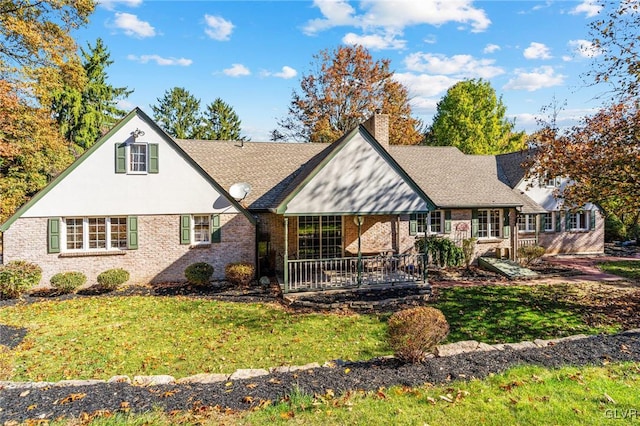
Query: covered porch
341	251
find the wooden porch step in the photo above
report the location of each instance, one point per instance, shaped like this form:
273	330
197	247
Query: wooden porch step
508	268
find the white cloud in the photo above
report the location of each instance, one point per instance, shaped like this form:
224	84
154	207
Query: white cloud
537	51
375	41
132	26
539	78
425	85
218	28
589	7
584	48
111	4
237	70
394	15
286	73
159	60
491	48
462	66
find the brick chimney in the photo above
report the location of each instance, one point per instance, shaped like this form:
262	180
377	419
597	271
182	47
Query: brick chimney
378	126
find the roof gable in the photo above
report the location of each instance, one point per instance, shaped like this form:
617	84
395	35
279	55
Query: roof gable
353	175
90	187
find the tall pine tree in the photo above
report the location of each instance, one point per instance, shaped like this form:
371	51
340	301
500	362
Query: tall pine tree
84	114
221	122
178	113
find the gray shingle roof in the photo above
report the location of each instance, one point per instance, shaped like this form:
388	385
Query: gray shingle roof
449	177
510	170
453	179
268	167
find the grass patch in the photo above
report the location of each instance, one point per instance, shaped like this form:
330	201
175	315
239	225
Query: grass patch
507	314
101	337
96	338
522	396
603	395
623	268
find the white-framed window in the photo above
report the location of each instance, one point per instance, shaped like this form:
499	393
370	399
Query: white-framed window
579	221
201	231
526	223
554	182
548	224
138	157
489	223
94	233
431	222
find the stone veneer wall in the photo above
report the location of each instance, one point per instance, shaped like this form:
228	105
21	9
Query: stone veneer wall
159	258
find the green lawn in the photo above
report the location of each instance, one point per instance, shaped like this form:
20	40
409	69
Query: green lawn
624	268
105	336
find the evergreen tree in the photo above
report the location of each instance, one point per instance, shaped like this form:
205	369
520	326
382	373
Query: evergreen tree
84	114
178	113
221	122
472	118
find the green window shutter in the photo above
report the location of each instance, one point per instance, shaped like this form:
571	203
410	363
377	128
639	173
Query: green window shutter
506	226
447	221
558	221
592	220
185	229
121	158
216	230
413	224
567	220
132	232
53	236
153	158
474	223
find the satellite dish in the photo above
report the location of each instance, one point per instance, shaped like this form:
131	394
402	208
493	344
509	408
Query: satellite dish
239	190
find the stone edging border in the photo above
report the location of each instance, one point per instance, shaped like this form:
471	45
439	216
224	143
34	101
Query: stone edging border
450	349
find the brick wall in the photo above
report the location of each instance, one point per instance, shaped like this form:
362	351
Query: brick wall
159	258
579	242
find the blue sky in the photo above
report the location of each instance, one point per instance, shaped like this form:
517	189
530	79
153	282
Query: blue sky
252	54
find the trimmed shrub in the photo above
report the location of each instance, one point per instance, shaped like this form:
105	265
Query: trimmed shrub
442	251
68	282
414	333
17	277
240	273
111	279
199	273
529	255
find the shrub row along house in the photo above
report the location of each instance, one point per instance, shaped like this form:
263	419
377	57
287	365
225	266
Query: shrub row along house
317	215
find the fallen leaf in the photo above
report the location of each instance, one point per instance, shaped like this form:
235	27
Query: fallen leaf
72	397
609	399
252	385
431	400
446	398
287	415
247	399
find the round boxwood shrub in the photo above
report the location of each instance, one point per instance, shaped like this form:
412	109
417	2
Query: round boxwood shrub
111	279
414	333
68	282
199	273
240	273
17	277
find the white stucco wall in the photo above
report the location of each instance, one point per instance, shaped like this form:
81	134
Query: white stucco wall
356	179
94	189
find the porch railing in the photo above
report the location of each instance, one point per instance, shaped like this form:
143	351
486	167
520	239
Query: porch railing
319	274
524	242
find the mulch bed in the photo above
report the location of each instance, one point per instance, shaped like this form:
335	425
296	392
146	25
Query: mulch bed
66	402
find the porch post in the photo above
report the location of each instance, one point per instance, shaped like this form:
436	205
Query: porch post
286	254
360	219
